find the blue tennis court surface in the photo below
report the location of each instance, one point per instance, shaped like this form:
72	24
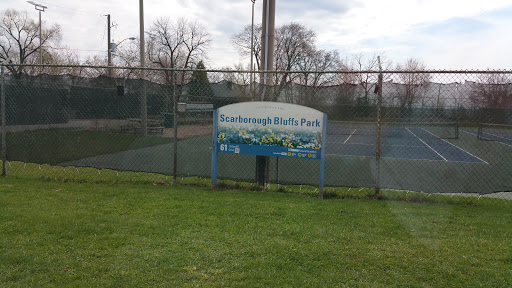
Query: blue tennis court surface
414	143
497	134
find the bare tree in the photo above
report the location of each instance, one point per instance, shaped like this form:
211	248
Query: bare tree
365	76
294	50
241	77
177	44
345	93
314	77
128	55
411	80
314	65
19	40
63	56
237	80
242	42
492	91
93	72
294	43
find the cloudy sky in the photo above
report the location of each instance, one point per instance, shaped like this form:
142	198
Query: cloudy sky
444	34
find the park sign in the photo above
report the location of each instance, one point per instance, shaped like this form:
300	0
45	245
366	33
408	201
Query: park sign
268	129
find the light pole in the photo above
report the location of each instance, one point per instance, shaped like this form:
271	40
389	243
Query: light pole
252	50
39	8
144	110
267	45
112	48
109	53
267	60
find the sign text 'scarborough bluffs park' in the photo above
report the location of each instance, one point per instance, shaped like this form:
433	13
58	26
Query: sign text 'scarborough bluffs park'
269	129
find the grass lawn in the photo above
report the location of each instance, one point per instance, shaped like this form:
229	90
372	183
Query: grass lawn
143	235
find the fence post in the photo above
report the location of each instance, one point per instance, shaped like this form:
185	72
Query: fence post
379	119
175	104
4	136
144	106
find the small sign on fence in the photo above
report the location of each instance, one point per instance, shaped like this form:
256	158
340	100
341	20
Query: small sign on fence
195	107
269	129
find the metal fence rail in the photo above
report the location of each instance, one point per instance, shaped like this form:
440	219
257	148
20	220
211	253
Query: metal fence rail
424	131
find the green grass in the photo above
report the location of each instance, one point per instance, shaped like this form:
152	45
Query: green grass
93	175
40	146
142	235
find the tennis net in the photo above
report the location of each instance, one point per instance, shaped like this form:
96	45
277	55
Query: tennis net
444	130
495	132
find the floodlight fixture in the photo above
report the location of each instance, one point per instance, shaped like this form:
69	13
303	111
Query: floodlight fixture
113	46
40	8
37	6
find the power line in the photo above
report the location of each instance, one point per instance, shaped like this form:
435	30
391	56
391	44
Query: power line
73	9
75	49
80	11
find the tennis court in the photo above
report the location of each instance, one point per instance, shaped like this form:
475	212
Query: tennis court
499	133
419	141
432	158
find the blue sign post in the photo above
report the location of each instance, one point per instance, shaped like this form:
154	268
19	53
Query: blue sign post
269	129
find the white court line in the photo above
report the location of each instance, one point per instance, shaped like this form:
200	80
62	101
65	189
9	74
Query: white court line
456	147
499	137
373	144
506	138
426	144
350	136
410	159
471	133
338	142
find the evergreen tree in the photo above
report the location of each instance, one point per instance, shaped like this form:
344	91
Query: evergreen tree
199	86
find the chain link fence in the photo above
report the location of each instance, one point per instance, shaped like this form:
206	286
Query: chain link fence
446	132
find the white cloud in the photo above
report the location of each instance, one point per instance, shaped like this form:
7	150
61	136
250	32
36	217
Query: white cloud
430	30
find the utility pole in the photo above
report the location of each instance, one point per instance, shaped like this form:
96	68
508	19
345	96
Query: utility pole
251	86
109	48
267	40
379	128
143	102
40	36
267	57
4	133
40	8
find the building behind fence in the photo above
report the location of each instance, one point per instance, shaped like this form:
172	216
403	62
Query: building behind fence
424	131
